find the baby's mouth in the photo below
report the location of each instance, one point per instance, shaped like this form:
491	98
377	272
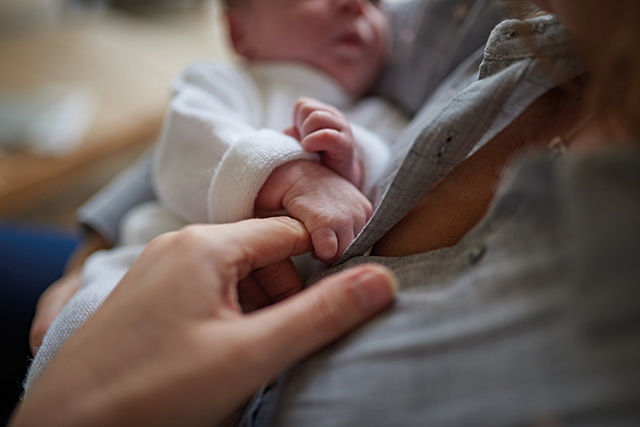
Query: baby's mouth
349	38
349	45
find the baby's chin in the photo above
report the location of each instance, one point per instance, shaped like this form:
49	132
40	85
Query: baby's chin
357	89
356	78
348	52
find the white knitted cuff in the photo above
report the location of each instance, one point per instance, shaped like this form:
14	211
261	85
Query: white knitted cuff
243	171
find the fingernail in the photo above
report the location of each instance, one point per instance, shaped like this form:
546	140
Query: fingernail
375	287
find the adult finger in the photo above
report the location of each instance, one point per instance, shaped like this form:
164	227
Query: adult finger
278	281
255	243
300	325
269	284
49	305
251	297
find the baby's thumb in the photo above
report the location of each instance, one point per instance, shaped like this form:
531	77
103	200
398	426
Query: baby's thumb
302	324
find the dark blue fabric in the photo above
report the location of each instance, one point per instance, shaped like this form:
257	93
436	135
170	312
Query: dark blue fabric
31	258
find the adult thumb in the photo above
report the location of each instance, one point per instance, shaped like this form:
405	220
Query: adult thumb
305	322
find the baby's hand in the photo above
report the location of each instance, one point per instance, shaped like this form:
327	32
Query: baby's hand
323	129
331	208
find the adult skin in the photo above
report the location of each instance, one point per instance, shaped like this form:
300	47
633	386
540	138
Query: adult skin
56	296
171	346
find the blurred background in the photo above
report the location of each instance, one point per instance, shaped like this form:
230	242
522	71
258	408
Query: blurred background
83	88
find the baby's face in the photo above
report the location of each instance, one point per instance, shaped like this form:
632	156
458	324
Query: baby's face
347	39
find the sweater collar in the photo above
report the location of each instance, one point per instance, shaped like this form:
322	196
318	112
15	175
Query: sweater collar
306	79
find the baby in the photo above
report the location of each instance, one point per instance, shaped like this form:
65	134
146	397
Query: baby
224	132
287	117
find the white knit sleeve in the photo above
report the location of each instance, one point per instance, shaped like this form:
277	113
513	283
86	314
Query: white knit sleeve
212	157
244	169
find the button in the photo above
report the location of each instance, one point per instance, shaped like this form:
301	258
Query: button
476	253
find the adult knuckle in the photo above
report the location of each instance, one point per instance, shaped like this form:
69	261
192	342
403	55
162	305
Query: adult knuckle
187	238
161	242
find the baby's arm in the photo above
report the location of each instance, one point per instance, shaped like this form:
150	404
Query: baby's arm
212	157
332	209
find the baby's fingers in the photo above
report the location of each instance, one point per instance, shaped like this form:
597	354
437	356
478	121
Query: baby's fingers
330	141
321	119
325	243
307	106
292	131
345	238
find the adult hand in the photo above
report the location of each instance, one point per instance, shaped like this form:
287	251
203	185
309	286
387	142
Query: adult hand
54	298
170	345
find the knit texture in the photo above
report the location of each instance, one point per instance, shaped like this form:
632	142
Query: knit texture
243	171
